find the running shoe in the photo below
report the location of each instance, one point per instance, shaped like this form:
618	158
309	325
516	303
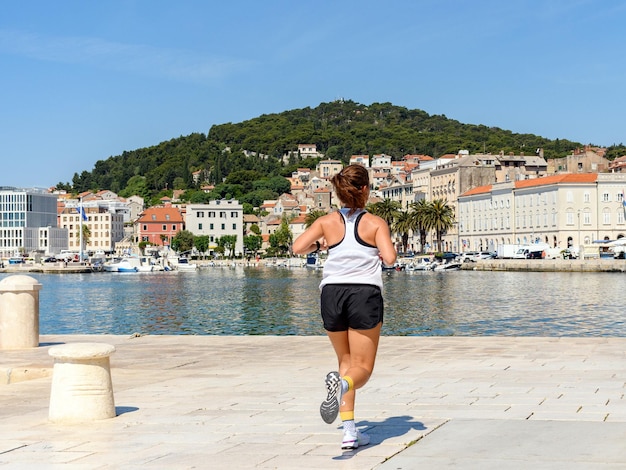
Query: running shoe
329	409
353	441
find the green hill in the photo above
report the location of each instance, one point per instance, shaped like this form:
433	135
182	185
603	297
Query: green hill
339	129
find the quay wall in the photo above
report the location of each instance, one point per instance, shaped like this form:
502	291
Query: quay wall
548	265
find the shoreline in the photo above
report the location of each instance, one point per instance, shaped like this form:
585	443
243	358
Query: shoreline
526	265
548	265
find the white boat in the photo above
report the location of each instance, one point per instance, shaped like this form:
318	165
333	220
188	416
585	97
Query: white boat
425	264
183	264
111	265
450	266
128	264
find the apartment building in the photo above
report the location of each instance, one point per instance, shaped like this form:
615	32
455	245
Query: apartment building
105	228
217	219
158	225
560	210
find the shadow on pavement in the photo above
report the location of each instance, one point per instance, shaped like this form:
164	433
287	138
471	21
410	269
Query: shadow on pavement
379	431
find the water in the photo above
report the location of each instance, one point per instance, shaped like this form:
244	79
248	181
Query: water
279	301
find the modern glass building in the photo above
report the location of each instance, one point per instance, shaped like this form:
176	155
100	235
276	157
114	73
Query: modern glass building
23	213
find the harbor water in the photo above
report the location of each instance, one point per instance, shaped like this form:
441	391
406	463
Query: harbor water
284	301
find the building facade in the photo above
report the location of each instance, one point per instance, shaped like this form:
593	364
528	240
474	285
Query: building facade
105	229
22	213
217	219
158	225
560	210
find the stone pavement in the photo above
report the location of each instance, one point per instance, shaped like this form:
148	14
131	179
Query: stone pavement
238	402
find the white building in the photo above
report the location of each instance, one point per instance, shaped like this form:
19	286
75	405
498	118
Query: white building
216	219
23	212
561	210
105	229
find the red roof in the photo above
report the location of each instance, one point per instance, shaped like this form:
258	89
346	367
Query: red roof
554	179
161	215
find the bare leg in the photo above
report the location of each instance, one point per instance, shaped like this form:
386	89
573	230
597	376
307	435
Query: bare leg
356	354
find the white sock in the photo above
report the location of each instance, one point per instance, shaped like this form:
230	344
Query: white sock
349	426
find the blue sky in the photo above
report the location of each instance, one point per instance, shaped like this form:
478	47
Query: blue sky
81	81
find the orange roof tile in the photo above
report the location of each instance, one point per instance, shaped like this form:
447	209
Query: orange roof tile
478	190
555	179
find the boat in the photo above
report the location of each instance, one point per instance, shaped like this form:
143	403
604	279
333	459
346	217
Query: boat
424	264
313	261
126	266
449	266
111	265
182	264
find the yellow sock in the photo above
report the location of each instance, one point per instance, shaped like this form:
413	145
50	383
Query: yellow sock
346	415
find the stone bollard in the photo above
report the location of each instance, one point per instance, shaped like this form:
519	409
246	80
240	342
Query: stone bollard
19	312
81	383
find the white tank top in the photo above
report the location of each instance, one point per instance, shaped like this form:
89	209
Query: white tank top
352	261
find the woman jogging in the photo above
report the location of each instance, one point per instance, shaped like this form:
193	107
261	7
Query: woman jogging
351	292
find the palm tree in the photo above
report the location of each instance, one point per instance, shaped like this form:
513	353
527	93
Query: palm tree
86	235
440	217
312	217
402	225
387	210
418	211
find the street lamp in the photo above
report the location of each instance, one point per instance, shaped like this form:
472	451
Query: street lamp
579	241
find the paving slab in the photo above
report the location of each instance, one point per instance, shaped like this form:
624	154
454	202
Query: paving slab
523	444
226	402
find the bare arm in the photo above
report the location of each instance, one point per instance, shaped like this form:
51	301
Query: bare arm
384	244
306	243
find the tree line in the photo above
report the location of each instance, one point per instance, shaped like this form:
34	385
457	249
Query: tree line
245	160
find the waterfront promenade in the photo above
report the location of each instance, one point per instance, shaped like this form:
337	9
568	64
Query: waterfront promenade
237	402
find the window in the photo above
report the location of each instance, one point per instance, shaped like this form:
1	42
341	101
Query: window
167	217
145	228
223	226
164	227
211	214
200	214
199	226
210	226
606	218
586	197
606	197
234	215
234	226
174	228
153	216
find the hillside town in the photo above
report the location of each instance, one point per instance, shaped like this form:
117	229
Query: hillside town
496	200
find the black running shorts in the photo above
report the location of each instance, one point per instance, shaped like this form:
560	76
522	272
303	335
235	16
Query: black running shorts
355	306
